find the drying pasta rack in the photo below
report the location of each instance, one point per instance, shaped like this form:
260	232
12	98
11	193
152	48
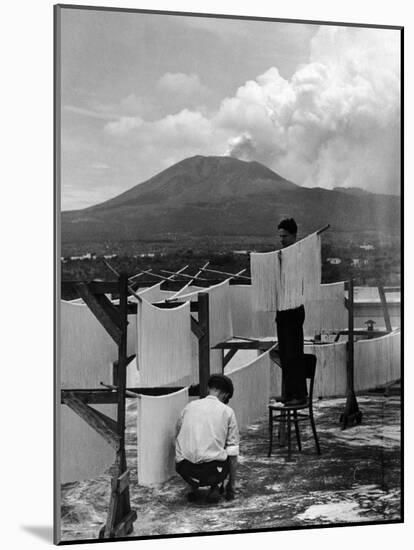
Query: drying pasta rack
114	319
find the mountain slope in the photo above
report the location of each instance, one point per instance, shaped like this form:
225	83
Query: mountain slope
224	196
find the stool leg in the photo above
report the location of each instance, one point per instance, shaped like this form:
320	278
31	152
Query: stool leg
315	435
295	416
289	435
282	429
270	432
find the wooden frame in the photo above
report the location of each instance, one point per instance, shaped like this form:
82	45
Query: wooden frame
113	318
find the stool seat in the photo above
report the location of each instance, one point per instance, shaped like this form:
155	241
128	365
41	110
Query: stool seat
282	407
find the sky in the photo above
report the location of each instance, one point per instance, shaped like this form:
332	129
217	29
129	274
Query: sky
319	105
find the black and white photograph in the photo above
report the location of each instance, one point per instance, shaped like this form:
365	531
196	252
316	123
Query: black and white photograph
229	283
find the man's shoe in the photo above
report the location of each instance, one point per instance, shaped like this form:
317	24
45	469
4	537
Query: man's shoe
213	495
230	494
194	496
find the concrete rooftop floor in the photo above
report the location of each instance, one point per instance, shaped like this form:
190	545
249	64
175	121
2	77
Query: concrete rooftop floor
356	479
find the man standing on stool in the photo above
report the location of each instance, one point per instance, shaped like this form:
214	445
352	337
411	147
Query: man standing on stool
207	443
289	324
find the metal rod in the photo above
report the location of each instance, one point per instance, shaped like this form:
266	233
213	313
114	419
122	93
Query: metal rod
181	297
130	279
111	268
189	282
322	229
183	275
165	278
130	289
155	275
231	275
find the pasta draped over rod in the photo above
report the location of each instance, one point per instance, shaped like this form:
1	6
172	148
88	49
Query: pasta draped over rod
251	390
156	430
164	343
286	278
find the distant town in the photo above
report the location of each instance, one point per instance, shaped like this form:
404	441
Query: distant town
369	263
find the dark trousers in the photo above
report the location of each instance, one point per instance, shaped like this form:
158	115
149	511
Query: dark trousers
203	474
289	324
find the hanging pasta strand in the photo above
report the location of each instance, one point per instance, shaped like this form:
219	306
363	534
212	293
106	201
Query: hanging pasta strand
264	274
298	273
251	390
156	428
164	343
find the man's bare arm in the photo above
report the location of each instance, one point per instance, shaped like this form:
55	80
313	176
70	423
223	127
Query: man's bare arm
231	485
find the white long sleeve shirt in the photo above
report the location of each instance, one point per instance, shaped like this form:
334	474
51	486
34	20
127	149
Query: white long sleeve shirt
207	430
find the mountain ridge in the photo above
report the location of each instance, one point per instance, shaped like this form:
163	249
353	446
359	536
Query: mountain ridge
225	196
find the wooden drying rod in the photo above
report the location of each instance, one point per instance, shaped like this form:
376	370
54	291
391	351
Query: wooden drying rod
127	392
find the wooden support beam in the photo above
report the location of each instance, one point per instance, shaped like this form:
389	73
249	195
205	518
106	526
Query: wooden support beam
102	424
100	313
108	396
115	388
204	342
385	311
125	527
258	344
119	505
132	308
129	360
122	354
96	287
196	329
370	333
121	483
91	396
352	414
111	309
229	356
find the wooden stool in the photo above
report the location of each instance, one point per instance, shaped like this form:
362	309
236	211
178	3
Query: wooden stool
289	414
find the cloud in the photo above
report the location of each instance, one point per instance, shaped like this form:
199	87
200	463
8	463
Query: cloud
180	83
91	113
336	122
123	125
99	166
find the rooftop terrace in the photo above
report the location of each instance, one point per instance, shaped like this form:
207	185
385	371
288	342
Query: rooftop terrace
357	479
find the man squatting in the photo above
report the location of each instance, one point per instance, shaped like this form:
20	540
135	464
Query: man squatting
207	442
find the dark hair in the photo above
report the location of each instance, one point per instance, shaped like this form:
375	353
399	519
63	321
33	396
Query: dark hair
222	383
289	224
